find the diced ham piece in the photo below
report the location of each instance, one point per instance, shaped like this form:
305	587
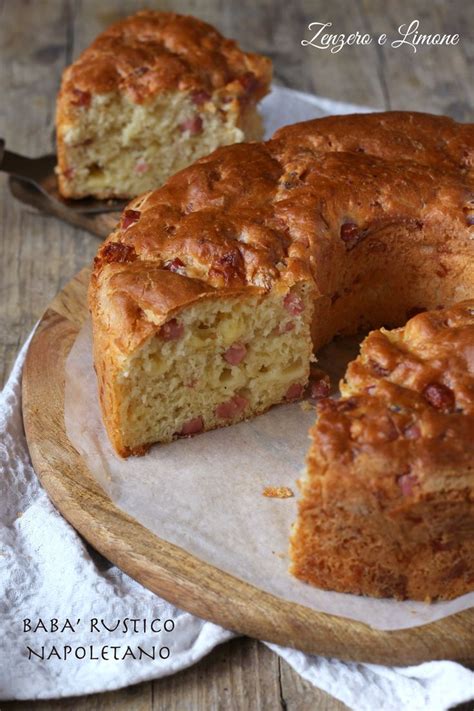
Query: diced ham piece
129	218
412	432
319	389
379	369
193	426
175	265
172	330
350	234
294	392
117	252
235	353
286	327
81	98
406	482
249	82
232	408
293	304
200	97
193	125
439	396
141	166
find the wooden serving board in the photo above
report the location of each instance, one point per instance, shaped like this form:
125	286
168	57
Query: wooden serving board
170	571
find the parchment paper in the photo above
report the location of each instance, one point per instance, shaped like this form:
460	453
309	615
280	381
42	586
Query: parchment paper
205	493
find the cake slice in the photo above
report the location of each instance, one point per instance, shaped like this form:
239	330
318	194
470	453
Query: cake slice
214	359
387	501
152	94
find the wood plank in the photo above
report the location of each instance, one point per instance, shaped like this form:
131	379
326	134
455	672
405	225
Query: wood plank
240	675
237	676
133	698
434	78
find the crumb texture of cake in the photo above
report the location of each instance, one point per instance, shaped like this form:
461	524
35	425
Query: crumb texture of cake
152	94
387	501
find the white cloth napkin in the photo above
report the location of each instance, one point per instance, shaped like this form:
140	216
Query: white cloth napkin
47	571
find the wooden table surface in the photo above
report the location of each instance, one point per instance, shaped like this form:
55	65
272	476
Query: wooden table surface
39	254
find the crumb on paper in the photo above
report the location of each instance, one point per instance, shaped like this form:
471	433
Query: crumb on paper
278	492
306	406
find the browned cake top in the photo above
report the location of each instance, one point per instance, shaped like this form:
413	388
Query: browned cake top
320	199
152	52
405	425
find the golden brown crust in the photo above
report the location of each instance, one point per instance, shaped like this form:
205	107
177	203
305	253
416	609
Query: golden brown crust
151	52
409	399
422	139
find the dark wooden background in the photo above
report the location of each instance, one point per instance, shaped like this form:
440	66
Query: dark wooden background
39	254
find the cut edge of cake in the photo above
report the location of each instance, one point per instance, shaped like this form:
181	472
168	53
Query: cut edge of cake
215	360
382	510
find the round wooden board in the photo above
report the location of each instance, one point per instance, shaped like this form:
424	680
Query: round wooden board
168	570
